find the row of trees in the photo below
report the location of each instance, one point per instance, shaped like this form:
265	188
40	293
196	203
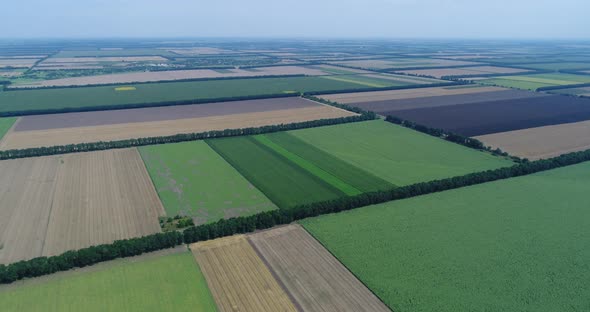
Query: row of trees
225	227
418	86
97	146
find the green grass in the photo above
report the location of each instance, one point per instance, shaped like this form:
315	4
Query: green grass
358	178
5	125
165	283
533	82
193	180
309	166
396	154
281	180
23	100
513	245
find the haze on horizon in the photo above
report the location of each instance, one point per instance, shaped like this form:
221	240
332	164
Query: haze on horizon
508	19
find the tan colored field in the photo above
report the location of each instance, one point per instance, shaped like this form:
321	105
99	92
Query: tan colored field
49	205
359	97
64	136
477	70
313	277
17	62
542	142
176	75
237	277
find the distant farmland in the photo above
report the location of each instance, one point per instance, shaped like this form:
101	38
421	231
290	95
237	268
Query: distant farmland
151	283
72	128
5	125
395	154
49	205
513	245
533	82
500	116
464	71
192	179
97	97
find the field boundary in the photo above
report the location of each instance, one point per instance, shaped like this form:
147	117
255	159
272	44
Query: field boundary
268	219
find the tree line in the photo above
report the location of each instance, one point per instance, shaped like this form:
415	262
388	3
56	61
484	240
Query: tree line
264	220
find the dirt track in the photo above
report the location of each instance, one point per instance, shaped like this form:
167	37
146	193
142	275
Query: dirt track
237	278
317	280
542	142
52	204
52	137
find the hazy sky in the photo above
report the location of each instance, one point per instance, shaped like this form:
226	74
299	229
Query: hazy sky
297	18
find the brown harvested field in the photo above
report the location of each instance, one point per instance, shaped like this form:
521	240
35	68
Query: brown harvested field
64	136
542	142
313	276
109	117
52	204
376	96
237	277
464	71
172	75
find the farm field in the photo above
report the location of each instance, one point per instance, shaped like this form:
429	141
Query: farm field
396	154
558	66
138	77
375	96
533	82
386	107
382	80
154	283
17	62
49	205
464	71
98	97
511	245
5	125
237	277
501	116
193	180
585	91
313	277
123	131
401	63
283	181
542	142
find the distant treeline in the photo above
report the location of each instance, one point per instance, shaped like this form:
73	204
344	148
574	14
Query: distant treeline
225	227
418	86
97	146
571	86
152	82
490	75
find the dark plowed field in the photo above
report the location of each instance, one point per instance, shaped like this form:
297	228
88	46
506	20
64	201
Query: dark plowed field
86	119
445	100
499	116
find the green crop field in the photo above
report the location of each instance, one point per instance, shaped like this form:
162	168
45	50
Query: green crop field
357	178
368	81
533	82
87	97
558	66
5	125
283	181
164	283
396	154
512	245
192	179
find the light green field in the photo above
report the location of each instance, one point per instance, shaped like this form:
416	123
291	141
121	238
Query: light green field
533	82
396	154
5	125
519	244
192	179
280	179
367	81
164	283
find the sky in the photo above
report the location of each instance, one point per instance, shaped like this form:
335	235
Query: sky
479	19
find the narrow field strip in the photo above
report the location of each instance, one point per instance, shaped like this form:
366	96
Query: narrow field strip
352	175
310	167
237	277
313	277
284	182
162	283
5	125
